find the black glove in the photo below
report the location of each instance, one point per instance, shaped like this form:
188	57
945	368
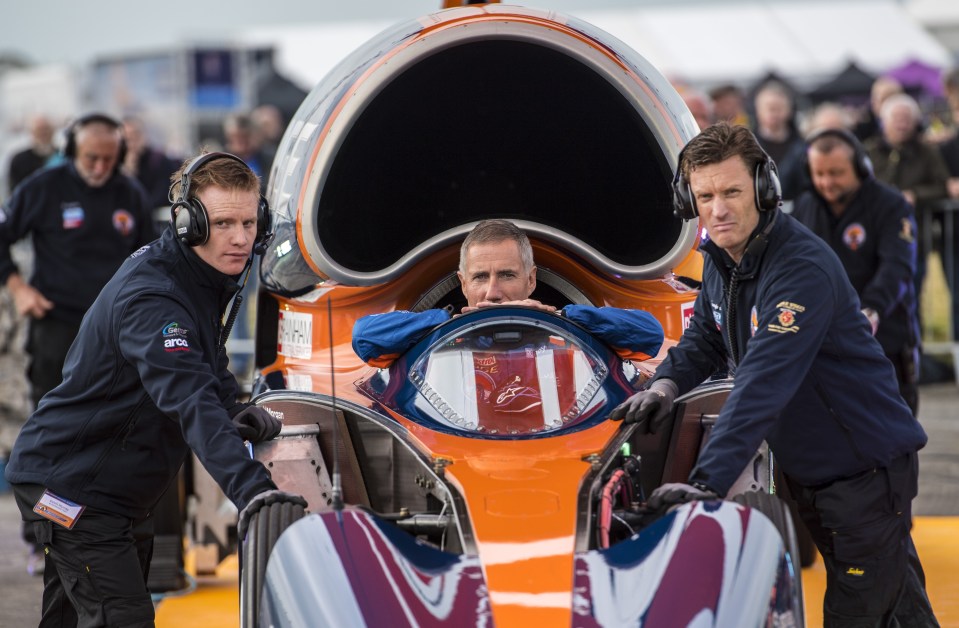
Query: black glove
256	424
266	498
648	408
678	493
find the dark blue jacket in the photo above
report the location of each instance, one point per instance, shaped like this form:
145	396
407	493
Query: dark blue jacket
145	382
809	377
81	235
875	239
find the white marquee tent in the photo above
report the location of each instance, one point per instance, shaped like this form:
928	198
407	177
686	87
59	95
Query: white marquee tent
700	43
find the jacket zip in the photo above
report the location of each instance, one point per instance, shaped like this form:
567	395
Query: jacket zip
732	334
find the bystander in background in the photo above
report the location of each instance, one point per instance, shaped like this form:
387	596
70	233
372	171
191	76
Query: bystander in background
870	226
84	218
35	156
149	165
904	160
778	135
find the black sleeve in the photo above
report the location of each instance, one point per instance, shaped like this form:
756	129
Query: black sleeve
159	335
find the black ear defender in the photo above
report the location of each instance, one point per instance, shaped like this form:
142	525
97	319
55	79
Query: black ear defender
860	158
767	188
70	148
192	224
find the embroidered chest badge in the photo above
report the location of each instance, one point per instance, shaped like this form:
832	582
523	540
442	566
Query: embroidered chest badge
854	236
907	233
73	217
787	318
123	222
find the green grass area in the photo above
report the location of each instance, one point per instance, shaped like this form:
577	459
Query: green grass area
935	302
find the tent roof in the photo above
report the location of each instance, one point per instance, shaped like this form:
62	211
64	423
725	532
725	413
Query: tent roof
852	83
738	41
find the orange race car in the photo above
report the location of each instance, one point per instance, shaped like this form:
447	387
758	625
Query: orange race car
427	507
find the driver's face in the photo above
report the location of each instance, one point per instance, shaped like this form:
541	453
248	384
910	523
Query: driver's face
495	273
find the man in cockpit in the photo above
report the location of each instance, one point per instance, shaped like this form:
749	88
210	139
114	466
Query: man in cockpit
497	268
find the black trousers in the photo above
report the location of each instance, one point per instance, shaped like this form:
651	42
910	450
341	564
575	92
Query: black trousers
96	573
47	343
861	526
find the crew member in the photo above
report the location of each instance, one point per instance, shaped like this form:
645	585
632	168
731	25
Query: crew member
871	227
777	310
146	382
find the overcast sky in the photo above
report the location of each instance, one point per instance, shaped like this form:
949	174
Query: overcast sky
67	31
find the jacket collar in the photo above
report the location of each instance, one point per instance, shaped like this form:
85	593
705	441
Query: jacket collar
758	242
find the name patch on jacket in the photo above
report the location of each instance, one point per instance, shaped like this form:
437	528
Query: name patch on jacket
72	217
175	338
786	319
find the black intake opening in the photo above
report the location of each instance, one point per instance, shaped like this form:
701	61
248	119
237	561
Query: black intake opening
497	129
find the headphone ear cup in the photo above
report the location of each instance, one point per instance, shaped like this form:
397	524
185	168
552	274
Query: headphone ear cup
122	155
191	223
684	205
70	148
182	221
264	224
768	188
201	222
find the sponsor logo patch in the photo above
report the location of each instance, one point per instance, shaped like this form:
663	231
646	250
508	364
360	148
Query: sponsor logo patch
786	319
123	222
140	251
717	314
296	335
175	338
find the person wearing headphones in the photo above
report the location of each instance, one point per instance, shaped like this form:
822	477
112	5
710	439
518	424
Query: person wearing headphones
777	310
145	383
871	227
84	218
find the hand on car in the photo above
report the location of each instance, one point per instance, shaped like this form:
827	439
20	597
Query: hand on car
533	303
678	493
256	424
648	408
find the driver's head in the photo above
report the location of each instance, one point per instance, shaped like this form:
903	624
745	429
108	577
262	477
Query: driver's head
496	264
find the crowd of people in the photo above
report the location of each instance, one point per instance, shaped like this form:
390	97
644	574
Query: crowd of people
80	200
891	140
865	191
